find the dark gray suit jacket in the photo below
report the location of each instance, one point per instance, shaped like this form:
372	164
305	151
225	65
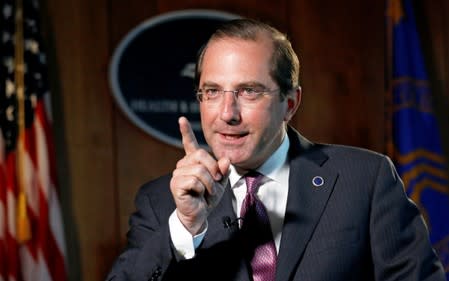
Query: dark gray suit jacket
359	225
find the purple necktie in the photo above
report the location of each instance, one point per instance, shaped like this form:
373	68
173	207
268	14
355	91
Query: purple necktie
257	236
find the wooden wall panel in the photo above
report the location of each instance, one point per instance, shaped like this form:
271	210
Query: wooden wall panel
443	100
79	30
433	27
104	158
135	151
274	12
341	49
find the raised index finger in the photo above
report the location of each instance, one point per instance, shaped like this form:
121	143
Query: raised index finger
188	137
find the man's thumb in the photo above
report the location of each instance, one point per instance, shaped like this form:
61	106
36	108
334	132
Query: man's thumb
223	165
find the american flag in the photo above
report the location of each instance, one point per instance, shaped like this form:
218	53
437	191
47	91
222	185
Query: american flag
32	245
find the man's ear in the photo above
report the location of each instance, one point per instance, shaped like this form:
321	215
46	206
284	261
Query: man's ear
293	102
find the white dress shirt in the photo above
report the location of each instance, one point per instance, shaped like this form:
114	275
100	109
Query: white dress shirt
273	192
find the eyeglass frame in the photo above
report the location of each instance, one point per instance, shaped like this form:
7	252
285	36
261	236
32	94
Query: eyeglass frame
236	93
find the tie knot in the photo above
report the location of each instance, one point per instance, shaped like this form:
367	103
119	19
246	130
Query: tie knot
253	180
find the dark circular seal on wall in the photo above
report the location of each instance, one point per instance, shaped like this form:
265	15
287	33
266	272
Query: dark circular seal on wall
151	72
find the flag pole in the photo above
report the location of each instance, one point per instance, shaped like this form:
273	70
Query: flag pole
23	224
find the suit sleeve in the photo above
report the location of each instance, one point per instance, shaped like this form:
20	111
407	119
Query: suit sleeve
148	252
399	238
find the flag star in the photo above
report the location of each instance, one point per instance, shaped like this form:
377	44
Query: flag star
31	23
10	88
7	11
37	76
10	113
9	64
32	46
33	99
6	37
42	58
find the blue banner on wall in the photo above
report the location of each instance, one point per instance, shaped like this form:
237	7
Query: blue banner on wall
417	148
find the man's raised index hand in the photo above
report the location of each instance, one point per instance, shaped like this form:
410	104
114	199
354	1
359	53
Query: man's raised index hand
189	141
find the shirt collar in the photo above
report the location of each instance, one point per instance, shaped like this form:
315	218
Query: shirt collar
269	168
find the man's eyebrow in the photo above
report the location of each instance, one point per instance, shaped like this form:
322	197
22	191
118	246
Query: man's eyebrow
251	84
208	84
246	84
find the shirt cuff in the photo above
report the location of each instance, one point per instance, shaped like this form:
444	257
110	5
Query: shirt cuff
184	243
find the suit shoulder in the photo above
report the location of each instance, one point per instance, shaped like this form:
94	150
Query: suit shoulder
156	193
338	150
355	158
157	186
322	152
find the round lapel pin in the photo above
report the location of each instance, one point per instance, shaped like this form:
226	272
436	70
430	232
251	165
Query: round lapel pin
317	181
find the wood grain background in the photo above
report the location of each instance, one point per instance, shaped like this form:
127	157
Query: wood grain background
103	158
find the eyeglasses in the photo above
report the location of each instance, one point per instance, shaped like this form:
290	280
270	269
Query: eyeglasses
246	96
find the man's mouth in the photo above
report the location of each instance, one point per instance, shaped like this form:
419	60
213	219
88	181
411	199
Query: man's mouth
233	136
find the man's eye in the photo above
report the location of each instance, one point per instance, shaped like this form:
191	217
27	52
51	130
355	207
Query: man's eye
212	92
248	92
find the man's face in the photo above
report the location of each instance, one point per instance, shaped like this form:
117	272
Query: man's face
247	135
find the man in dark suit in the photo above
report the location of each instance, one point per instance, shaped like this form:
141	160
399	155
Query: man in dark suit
332	212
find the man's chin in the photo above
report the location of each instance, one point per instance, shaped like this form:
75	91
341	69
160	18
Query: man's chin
235	156
241	163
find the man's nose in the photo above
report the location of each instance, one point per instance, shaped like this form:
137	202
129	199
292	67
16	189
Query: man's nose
230	108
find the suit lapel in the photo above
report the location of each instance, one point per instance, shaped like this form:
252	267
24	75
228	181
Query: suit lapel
306	201
223	226
219	219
